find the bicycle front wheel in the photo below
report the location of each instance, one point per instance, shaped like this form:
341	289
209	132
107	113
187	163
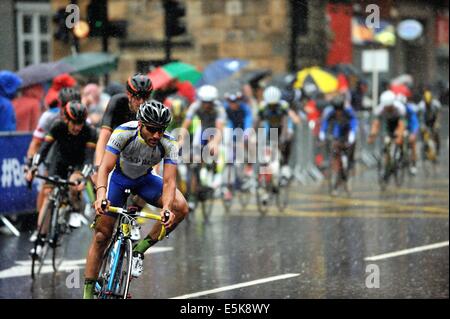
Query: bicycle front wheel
60	240
38	258
115	272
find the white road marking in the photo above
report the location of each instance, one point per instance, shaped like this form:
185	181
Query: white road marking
236	286
23	267
407	251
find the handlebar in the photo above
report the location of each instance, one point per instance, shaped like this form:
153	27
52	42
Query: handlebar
57	180
135	213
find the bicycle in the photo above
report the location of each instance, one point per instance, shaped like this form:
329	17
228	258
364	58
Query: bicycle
339	168
428	151
270	185
390	164
56	214
115	271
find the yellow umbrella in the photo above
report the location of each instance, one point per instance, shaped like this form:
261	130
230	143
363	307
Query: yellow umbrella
323	80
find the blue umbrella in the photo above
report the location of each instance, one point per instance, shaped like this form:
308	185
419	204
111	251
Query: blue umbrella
221	69
42	72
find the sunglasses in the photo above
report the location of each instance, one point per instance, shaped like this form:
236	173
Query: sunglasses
154	129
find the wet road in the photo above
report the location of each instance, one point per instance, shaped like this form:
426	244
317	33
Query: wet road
320	247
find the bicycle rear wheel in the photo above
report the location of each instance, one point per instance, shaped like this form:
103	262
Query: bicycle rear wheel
383	172
38	261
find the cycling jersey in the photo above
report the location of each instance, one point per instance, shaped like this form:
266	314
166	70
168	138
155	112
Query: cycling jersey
240	118
428	115
136	158
391	118
45	122
208	118
342	126
68	150
274	117
117	112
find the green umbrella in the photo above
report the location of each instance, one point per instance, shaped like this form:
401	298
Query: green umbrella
162	75
92	63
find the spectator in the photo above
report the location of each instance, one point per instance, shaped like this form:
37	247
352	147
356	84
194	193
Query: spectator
28	107
9	84
59	82
91	97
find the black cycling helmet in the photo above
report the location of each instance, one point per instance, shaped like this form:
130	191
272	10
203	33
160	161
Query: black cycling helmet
75	112
140	85
154	113
338	102
66	95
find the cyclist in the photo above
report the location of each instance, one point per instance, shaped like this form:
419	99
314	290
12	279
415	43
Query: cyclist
429	109
212	118
341	121
122	108
46	120
239	116
74	147
393	113
412	128
133	149
275	113
178	106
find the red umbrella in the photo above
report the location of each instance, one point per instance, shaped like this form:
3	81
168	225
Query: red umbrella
187	90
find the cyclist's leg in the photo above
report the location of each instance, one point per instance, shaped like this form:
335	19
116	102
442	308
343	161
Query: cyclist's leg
104	226
74	193
150	188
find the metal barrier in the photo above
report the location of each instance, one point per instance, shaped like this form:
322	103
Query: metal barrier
15	197
303	161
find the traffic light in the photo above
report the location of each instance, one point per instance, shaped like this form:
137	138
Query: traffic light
62	32
97	12
174	18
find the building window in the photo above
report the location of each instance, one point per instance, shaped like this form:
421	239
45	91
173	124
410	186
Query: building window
33	33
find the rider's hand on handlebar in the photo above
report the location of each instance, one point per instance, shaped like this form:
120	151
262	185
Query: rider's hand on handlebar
29	173
169	222
99	208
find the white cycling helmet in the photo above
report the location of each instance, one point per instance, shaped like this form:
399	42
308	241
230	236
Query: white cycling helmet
272	95
207	93
387	98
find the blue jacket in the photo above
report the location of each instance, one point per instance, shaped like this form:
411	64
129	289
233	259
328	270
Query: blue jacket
9	84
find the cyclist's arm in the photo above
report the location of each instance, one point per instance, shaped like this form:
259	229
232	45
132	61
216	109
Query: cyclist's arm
107	165
105	134
169	186
375	128
34	147
248	117
41	155
293	115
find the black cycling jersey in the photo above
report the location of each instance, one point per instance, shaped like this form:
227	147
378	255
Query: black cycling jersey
69	150
117	112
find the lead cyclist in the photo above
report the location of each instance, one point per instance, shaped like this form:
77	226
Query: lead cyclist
133	149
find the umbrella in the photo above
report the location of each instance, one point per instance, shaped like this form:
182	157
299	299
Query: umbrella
228	85
92	63
322	80
163	75
282	80
405	79
253	76
221	69
42	72
401	89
